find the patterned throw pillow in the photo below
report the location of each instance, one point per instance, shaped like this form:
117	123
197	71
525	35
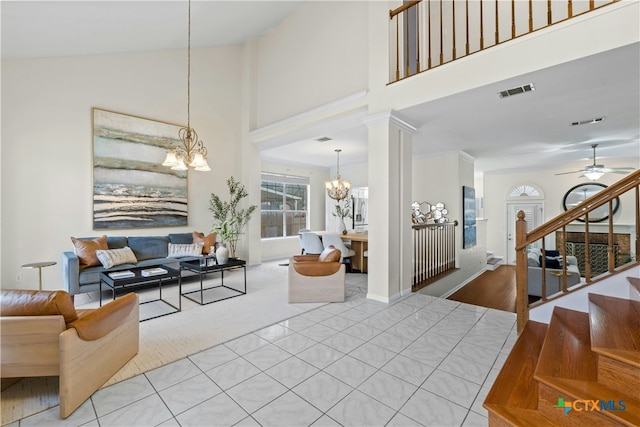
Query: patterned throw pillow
86	249
206	241
180	250
112	257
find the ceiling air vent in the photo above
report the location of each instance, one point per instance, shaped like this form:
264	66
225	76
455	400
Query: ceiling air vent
588	122
516	90
323	139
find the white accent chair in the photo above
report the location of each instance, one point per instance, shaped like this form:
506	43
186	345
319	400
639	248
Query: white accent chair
334	240
311	243
304	230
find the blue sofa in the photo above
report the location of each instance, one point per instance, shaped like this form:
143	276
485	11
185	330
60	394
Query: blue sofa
149	250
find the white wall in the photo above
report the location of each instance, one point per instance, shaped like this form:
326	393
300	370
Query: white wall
47	142
315	56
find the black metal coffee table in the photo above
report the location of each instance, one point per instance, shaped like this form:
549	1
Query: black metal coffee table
139	279
214	293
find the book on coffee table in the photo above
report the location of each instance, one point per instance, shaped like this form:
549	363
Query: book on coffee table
122	274
153	272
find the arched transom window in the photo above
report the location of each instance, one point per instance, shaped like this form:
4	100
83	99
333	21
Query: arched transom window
525	191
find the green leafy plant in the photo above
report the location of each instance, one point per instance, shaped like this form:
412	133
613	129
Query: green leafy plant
229	219
343	208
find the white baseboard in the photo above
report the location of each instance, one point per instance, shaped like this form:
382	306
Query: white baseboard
452	291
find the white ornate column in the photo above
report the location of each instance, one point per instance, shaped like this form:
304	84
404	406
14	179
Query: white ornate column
390	248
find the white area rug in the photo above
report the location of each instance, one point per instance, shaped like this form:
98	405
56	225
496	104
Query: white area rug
169	338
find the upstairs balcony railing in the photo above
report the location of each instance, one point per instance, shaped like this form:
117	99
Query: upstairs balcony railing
425	34
605	247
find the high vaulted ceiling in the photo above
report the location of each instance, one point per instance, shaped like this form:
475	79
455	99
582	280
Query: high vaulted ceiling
531	131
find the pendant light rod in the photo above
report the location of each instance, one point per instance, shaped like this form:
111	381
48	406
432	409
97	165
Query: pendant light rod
192	151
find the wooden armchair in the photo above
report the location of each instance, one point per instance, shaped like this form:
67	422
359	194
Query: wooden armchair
42	334
317	278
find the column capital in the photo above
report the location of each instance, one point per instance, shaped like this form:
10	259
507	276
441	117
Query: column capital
390	117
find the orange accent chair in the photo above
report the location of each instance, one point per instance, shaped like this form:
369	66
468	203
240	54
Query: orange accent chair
317	278
42	334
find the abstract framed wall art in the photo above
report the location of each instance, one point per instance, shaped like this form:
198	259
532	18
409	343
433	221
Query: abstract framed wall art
468	217
131	188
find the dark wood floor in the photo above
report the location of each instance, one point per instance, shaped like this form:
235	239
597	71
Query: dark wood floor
492	289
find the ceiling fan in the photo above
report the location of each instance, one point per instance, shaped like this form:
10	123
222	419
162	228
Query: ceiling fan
594	171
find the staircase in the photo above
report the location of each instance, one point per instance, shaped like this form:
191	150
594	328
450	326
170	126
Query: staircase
582	369
493	262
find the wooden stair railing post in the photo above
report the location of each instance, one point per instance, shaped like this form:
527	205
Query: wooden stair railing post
611	256
522	299
637	194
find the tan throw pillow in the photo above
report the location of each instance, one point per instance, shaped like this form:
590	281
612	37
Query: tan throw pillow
86	250
207	241
112	257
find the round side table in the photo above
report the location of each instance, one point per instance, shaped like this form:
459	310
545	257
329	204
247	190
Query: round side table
39	266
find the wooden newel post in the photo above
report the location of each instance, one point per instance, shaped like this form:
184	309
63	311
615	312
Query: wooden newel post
522	299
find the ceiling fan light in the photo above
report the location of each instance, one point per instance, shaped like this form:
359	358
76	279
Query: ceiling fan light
593	175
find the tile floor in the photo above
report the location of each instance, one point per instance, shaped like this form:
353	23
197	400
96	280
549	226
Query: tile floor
422	361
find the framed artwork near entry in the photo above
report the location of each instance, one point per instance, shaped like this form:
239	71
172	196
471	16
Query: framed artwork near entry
468	217
131	188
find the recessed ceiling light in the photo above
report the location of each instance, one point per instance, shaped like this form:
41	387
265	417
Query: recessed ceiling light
516	90
323	139
588	122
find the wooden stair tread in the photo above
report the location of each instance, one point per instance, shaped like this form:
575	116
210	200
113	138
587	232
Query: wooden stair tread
515	385
615	328
566	352
635	282
519	416
591	390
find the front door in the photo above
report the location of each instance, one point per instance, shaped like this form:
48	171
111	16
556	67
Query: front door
533	216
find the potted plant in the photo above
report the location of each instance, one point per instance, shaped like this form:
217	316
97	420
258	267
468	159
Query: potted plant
229	219
342	210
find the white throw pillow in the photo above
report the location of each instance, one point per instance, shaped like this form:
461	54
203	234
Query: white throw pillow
177	250
111	257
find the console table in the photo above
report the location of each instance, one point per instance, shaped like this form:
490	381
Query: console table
214	293
138	280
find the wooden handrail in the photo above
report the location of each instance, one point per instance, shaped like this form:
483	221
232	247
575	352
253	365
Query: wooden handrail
440	224
599	199
402	8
